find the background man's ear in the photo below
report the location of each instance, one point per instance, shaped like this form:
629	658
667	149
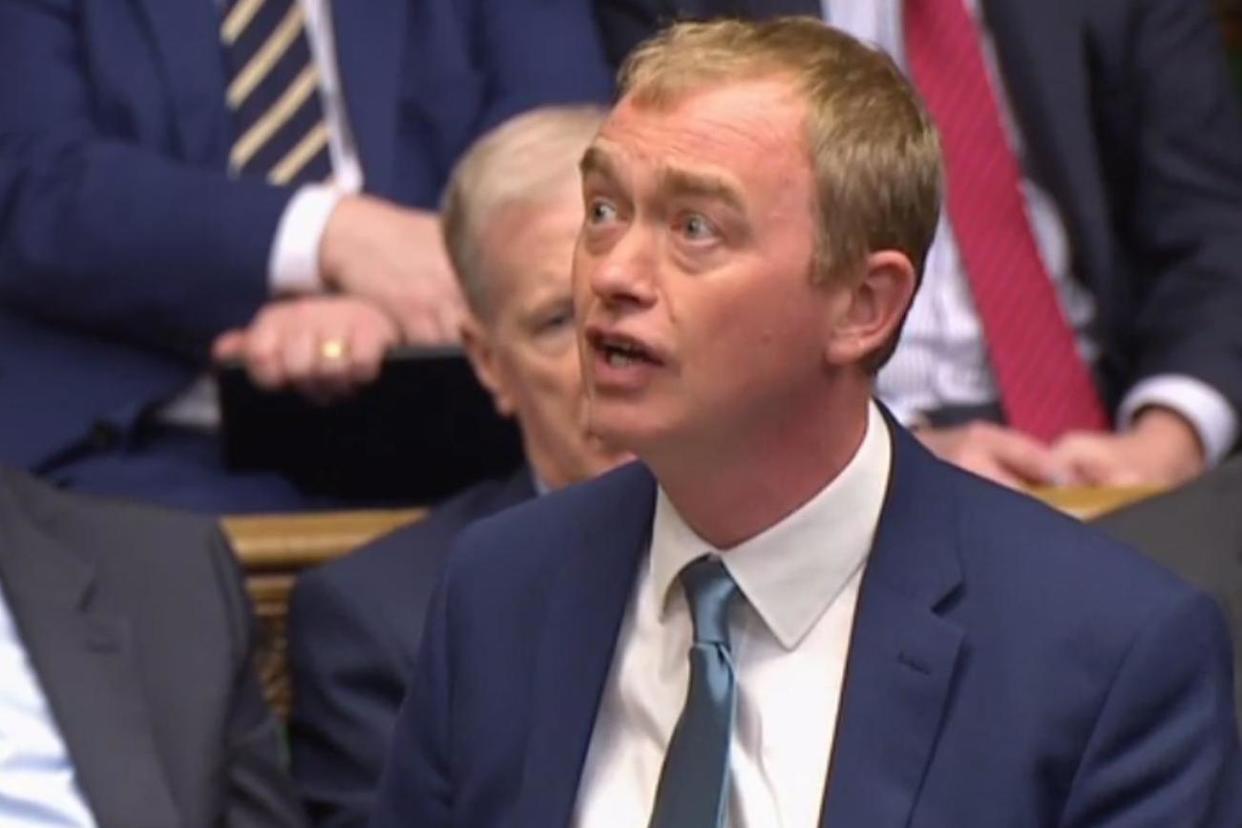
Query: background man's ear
873	309
481	351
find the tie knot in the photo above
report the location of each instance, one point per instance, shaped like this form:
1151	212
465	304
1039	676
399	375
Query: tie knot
709	590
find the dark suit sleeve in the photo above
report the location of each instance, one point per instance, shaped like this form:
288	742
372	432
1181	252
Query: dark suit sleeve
99	231
256	790
348	682
417	783
1164	749
538	52
623	24
1179	193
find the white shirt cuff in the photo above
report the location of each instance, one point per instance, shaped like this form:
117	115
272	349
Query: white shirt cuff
294	263
1207	410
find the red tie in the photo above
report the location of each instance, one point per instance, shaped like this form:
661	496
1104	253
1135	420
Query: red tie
1045	386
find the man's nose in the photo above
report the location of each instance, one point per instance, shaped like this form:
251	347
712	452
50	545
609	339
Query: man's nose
626	274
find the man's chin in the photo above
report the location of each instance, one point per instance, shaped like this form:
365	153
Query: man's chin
604	461
615	431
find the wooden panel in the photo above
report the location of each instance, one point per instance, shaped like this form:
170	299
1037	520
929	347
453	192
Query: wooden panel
291	542
1085	503
270	594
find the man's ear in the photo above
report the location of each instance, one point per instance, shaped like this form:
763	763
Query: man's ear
871	312
481	352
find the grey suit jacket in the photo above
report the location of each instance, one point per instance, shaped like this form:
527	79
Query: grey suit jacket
1197	532
141	637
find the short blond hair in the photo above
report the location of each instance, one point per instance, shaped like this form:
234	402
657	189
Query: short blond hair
874	149
526	161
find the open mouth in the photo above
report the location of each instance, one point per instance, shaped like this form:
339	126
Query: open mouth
621	351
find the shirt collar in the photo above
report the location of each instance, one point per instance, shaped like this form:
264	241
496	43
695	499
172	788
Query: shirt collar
541	488
792	571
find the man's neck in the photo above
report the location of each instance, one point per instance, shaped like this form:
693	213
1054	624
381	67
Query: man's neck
733	490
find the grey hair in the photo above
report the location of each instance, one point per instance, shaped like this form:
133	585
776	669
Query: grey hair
525	161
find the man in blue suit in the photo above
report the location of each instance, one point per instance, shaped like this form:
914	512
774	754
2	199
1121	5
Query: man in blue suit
166	169
790	613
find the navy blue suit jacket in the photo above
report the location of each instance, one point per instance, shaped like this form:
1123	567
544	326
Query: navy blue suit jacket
1130	123
354	629
1008	666
125	247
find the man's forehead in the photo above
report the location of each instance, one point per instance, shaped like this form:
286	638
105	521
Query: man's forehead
672	175
762	114
710	143
746	93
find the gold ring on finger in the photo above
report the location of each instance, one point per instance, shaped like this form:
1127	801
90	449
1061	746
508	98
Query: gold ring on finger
332	350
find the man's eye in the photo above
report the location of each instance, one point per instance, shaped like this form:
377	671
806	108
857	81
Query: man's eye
601	212
696	226
557	321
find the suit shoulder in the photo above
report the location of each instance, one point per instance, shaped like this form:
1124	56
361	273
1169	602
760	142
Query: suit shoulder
392	576
115	531
160	568
539	535
393	556
1027	551
381	587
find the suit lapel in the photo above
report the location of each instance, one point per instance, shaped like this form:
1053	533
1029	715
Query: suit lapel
186	38
587	603
902	654
369	39
84	660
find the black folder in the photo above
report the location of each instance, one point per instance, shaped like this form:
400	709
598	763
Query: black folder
423	430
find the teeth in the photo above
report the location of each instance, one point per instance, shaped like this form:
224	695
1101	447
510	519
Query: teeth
618	359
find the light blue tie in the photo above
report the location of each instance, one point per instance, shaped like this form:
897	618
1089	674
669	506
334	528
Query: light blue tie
695	777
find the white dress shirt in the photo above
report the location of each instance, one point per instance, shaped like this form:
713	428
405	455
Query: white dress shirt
790	638
293	263
38	788
942	359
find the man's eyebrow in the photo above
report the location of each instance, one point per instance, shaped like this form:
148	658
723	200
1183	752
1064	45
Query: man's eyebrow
685	183
596	161
678	182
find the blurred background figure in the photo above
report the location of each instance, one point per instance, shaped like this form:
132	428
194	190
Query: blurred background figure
511	216
128	694
167	172
1079	317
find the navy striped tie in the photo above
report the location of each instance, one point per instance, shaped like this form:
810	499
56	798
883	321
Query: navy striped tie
273	94
695	778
